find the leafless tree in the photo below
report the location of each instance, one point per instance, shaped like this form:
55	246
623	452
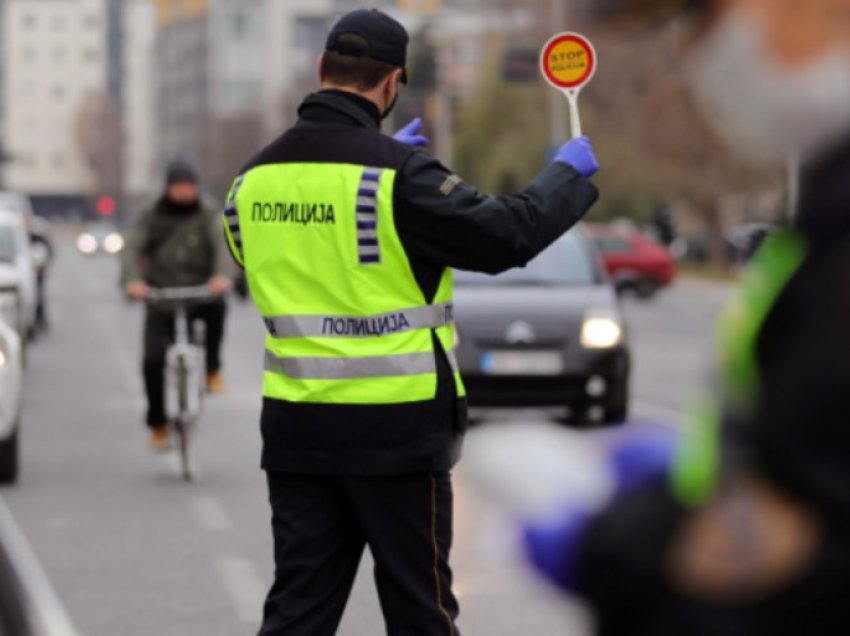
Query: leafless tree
100	136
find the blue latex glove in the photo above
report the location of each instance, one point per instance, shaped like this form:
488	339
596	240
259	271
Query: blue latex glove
553	547
642	458
410	135
578	153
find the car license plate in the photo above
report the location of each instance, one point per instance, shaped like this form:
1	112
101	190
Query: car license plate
522	363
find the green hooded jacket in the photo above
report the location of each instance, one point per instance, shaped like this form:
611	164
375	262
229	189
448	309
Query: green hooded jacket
175	249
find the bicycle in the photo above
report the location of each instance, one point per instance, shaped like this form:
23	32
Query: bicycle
184	367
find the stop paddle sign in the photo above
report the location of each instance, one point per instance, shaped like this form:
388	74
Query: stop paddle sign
568	62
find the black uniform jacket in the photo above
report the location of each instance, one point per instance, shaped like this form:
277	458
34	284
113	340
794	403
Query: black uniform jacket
798	439
442	222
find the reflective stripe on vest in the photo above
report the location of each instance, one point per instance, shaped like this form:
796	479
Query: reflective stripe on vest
427	317
353	368
231	219
368	247
695	473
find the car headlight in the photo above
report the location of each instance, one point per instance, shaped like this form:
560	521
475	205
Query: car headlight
3	358
87	244
601	330
113	243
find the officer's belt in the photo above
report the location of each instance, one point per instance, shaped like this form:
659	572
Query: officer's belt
332	326
408	364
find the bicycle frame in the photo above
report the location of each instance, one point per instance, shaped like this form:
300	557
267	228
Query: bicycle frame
184	363
184	367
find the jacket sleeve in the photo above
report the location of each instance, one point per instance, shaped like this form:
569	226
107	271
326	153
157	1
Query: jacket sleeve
446	222
132	254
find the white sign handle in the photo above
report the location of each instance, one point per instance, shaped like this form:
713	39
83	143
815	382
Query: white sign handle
575	115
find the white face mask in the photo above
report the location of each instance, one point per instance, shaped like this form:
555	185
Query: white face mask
766	112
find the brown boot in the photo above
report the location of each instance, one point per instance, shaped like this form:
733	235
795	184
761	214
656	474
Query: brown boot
216	383
160	439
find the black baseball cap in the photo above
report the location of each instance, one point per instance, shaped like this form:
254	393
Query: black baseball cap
386	38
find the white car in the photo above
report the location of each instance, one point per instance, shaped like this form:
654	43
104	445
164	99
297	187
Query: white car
15	202
11	370
16	268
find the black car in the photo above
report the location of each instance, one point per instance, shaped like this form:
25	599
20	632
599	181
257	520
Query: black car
549	334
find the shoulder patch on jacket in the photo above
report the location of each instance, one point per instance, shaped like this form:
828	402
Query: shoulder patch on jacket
450	184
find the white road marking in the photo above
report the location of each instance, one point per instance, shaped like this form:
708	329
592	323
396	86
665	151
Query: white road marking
244	586
211	514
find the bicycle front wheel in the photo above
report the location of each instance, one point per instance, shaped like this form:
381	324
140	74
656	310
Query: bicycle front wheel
183	424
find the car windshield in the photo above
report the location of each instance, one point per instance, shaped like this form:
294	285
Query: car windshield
566	262
7	244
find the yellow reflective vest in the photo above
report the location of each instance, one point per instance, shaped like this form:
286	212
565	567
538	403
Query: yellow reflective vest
347	321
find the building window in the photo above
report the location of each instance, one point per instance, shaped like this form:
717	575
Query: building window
28	55
58	55
244	23
238	24
59	161
241	95
91	21
58	93
28	21
58	23
91	56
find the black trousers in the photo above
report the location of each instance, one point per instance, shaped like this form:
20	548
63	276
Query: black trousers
159	333
321	525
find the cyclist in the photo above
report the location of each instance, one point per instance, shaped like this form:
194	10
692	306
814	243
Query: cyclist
176	242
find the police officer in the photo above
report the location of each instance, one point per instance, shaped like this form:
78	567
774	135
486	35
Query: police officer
749	531
347	237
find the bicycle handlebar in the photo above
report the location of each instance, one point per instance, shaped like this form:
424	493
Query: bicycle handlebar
179	294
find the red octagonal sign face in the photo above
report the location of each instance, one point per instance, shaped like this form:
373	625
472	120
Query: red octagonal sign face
568	61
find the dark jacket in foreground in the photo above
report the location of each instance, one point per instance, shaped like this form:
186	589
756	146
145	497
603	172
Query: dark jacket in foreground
798	441
442	222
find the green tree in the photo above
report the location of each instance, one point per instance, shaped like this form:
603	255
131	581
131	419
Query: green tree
501	139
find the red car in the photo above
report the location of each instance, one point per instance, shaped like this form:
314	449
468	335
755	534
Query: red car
635	262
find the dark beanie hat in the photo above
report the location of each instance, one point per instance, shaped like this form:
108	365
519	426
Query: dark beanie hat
180	171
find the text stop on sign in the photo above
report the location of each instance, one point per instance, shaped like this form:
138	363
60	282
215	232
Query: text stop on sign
568	62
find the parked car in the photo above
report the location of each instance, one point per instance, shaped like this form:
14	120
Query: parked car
11	370
634	262
100	238
17	269
16	202
549	334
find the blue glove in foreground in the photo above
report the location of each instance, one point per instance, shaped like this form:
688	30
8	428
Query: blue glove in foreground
410	135
552	548
578	153
641	458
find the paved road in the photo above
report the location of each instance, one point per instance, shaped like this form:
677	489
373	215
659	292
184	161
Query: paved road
134	551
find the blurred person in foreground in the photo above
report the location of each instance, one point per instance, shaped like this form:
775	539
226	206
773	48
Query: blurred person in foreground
348	237
745	528
177	242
